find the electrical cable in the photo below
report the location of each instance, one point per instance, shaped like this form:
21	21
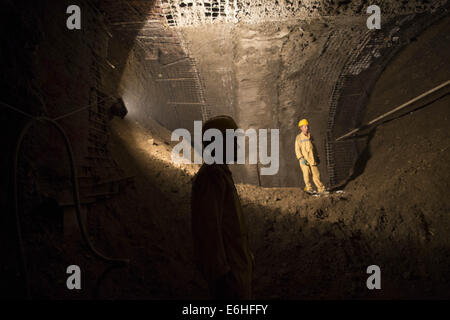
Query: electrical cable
16	110
80	109
75	192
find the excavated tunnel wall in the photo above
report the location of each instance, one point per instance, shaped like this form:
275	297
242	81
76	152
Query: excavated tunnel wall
355	83
269	74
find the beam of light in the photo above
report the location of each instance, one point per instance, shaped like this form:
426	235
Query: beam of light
147	147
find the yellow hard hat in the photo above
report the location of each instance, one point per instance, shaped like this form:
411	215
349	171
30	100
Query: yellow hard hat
303	122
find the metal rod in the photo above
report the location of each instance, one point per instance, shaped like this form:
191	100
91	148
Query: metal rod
175	79
175	62
134	22
196	103
352	132
154	37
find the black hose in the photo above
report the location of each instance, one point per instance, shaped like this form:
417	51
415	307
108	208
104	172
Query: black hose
76	197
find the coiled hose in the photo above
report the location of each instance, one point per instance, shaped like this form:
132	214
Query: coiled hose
76	197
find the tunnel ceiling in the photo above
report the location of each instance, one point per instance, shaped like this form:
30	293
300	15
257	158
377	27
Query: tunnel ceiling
147	20
198	12
266	63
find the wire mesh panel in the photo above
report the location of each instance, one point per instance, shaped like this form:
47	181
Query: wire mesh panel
196	12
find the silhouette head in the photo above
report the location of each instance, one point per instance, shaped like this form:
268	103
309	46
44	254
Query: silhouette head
221	123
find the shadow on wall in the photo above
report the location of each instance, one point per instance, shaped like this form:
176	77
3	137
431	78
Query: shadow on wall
361	162
48	69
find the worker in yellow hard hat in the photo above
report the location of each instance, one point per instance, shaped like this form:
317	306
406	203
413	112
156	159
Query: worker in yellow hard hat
304	150
219	226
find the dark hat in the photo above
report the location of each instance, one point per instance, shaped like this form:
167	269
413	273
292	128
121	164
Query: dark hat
221	123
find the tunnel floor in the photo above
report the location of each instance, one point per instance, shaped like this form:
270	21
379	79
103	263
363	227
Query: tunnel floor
392	215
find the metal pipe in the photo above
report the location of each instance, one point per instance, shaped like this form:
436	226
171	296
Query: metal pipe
352	132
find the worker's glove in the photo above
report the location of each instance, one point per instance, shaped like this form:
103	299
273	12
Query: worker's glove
304	162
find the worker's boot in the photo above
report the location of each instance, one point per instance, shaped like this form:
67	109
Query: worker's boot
310	191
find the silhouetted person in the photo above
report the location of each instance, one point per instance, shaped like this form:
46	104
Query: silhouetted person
219	227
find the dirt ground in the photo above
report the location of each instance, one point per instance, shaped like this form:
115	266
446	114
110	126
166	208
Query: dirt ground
395	215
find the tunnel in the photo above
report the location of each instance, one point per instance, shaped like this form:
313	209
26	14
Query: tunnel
88	113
